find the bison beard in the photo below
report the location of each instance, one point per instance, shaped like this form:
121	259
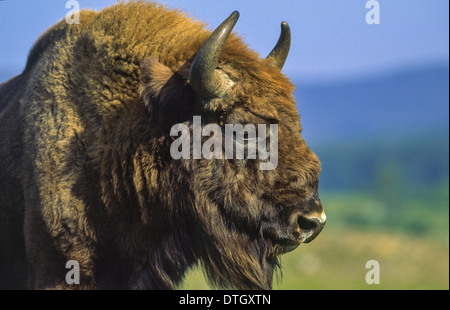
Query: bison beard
85	167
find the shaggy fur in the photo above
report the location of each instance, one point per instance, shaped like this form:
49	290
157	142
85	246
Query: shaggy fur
85	168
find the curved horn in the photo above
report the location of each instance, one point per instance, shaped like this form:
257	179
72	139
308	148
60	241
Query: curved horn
205	80
281	49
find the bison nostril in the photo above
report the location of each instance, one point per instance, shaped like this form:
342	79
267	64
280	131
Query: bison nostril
309	228
306	224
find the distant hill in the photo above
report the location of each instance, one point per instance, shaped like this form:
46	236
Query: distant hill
408	102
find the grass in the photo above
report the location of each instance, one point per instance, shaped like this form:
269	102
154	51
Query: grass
337	258
416	215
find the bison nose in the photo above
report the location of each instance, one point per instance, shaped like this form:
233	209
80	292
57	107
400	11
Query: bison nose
296	225
306	227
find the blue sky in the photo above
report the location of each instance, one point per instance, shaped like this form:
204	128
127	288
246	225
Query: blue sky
331	39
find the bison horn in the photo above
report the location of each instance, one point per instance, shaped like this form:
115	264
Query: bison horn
281	49
206	81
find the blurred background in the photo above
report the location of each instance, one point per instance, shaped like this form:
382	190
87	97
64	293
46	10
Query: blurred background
374	103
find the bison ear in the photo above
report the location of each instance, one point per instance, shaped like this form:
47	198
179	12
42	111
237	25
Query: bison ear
166	93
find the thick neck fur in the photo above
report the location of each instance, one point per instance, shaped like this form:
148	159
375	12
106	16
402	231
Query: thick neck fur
144	200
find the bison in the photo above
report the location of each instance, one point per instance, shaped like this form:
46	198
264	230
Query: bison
86	173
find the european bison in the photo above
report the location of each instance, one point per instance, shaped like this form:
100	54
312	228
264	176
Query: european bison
86	172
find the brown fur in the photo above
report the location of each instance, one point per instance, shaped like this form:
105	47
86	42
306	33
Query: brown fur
85	169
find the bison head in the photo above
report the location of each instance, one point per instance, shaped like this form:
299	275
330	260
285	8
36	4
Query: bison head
237	218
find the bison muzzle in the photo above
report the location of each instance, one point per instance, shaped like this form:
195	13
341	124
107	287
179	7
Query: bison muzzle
85	168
